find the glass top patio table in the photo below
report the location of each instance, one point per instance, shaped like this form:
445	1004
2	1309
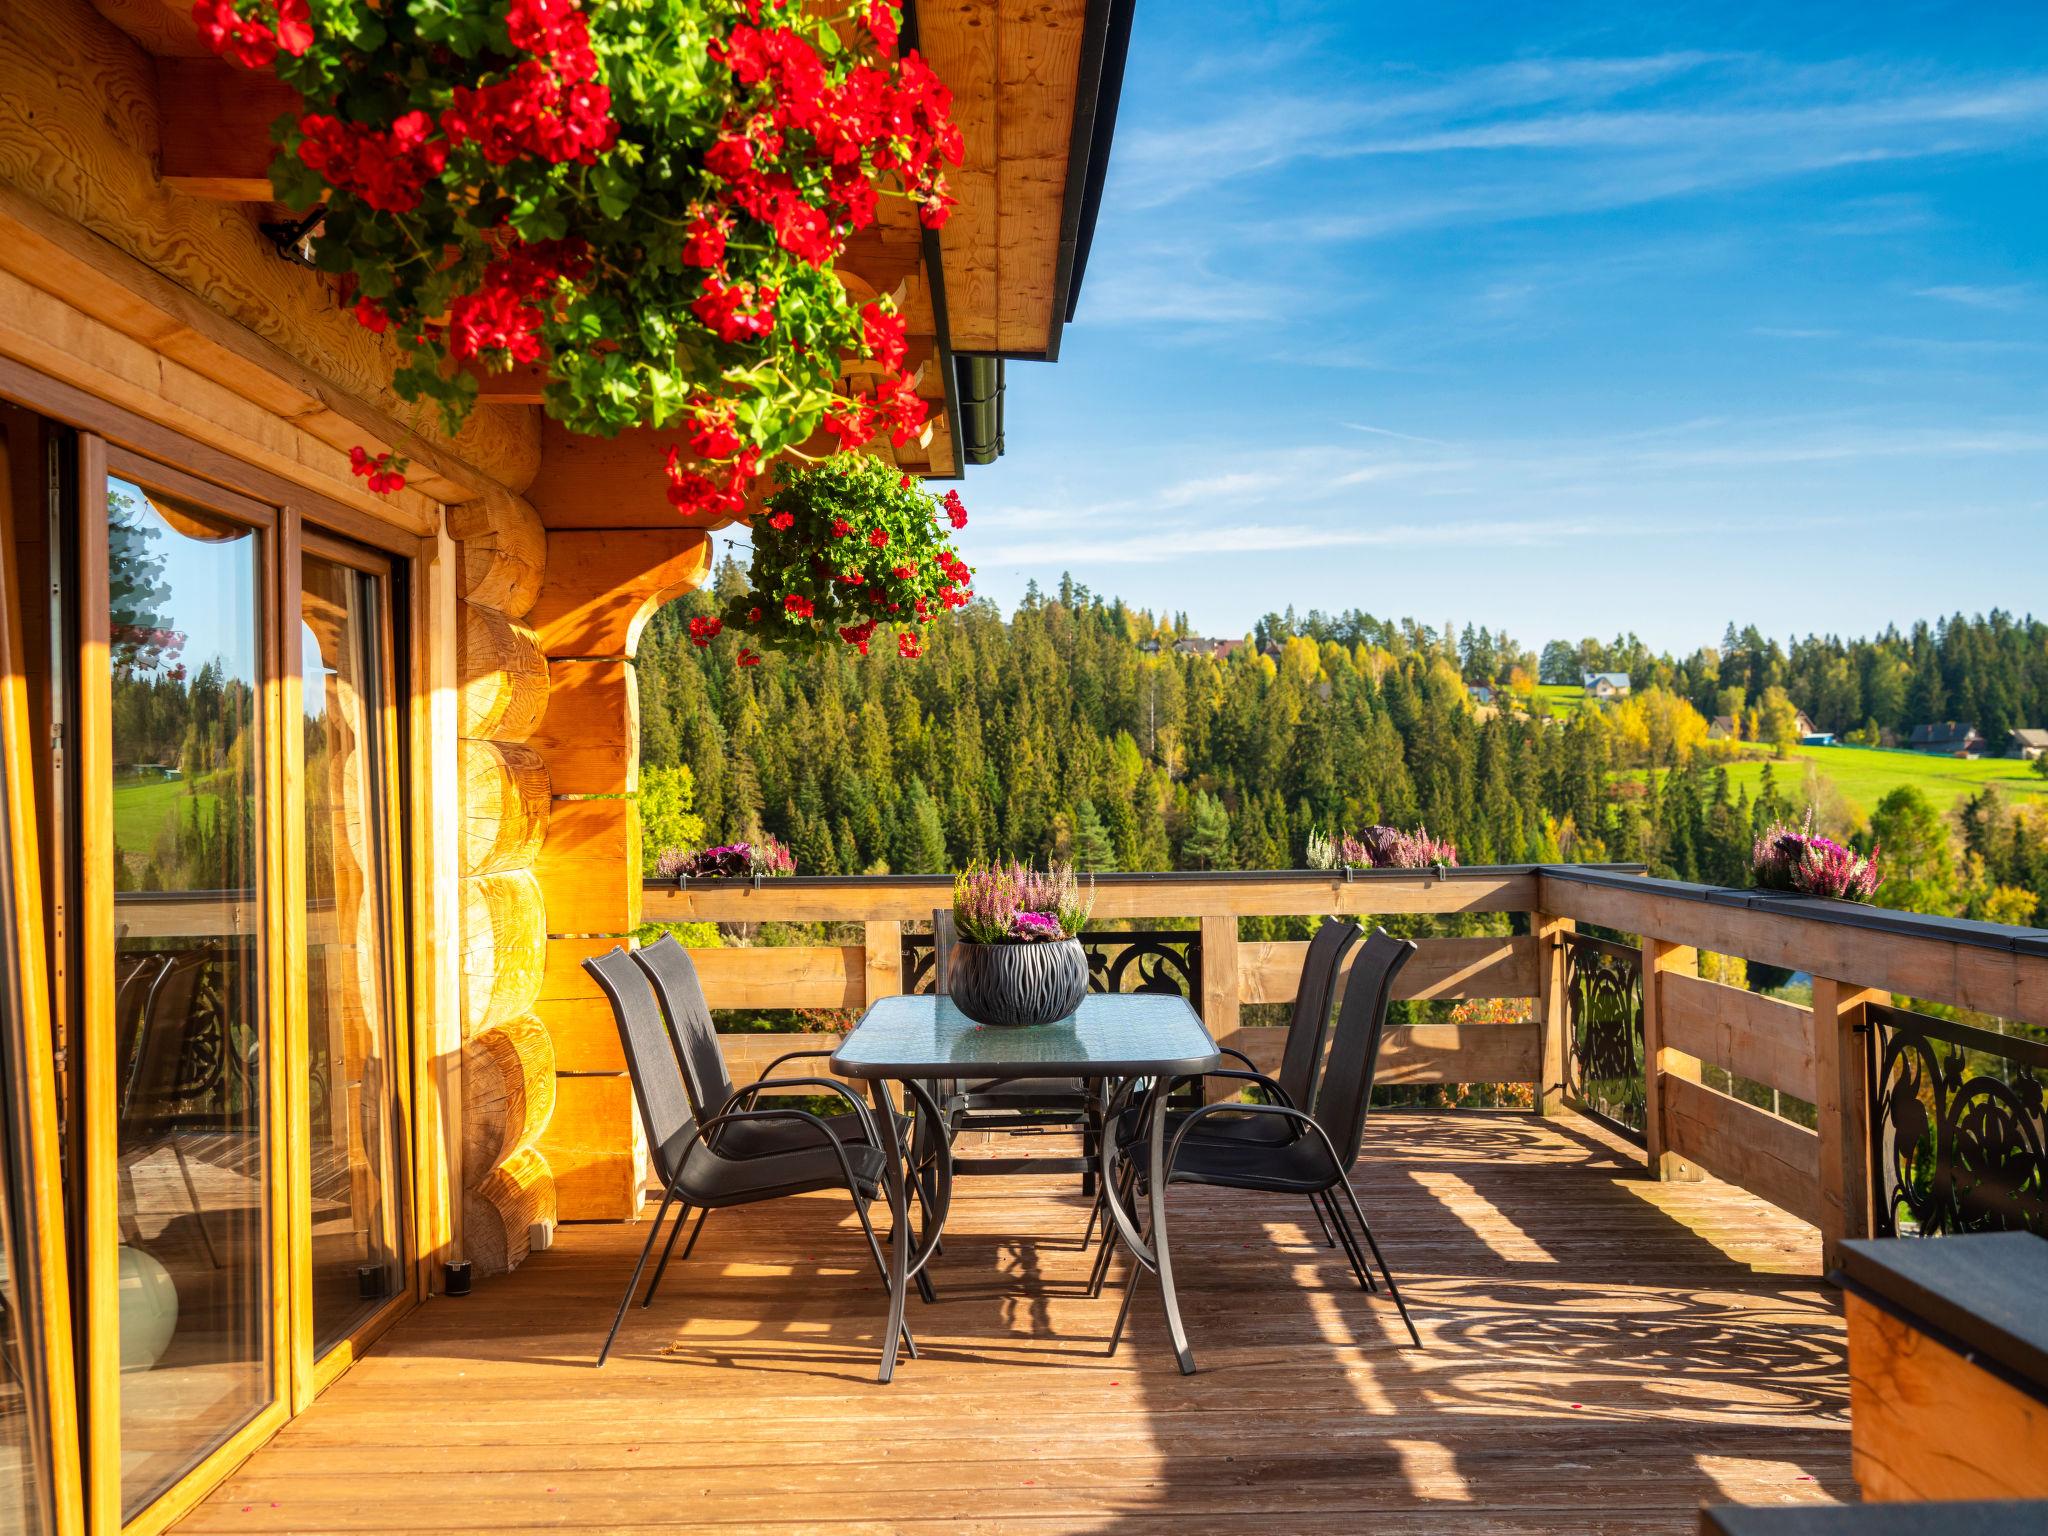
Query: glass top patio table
1112	1034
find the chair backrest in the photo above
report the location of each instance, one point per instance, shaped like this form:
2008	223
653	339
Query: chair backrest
658	1085
690	1027
944	937
1309	1027
1355	1052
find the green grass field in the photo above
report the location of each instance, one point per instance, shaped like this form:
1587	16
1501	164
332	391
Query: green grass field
1862	776
1562	699
143	806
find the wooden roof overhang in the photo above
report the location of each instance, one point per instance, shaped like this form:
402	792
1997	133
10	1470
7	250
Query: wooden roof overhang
1035	85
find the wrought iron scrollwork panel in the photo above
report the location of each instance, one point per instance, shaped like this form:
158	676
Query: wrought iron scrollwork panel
1167	961
1604	1058
1959	1138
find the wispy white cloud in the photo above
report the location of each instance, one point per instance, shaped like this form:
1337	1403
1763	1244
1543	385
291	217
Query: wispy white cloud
1539	138
2006	296
1160	545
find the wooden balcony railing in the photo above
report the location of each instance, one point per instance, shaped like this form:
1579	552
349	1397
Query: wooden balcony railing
1626	1028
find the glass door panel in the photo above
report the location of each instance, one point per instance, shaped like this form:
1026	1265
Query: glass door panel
24	1479
191	1029
354	1167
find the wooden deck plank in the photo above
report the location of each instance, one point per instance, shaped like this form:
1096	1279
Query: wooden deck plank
1603	1353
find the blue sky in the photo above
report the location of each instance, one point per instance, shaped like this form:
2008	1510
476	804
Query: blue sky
1563	318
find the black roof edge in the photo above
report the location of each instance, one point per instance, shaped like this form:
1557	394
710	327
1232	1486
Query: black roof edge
1109	96
935	272
1098	87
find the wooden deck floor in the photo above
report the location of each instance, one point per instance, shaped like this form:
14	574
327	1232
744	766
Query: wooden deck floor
1603	1353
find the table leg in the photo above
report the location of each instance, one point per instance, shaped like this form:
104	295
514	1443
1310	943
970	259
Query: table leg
899	1224
1162	1261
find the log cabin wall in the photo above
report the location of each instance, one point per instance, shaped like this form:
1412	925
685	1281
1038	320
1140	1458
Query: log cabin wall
601	586
508	1060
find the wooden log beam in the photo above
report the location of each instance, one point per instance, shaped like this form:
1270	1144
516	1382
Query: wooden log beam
216	128
590	736
603	586
504	551
503	676
592	849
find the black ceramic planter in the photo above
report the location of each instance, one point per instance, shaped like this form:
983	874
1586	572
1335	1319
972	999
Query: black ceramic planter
1016	984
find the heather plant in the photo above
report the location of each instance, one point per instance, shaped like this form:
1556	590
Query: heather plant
1788	858
732	861
1010	903
1380	847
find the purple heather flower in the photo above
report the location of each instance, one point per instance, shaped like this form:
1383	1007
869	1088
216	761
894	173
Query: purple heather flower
1035	927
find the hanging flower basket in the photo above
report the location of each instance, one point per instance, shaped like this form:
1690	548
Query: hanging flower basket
643	199
843	549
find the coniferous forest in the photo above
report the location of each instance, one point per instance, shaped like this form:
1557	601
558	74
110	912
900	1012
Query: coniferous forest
1075	728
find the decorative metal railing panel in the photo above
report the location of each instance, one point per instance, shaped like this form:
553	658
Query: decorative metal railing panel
1959	1139
1144	960
1604	1047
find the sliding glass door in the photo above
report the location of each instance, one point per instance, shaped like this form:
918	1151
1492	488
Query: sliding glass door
192	1037
241	1120
353	1186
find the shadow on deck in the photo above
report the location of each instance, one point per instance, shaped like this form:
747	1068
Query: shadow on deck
1602	1354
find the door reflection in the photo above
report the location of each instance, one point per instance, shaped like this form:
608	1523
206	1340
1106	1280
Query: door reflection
191	1033
353	1163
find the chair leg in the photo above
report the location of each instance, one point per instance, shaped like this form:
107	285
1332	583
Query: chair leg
1350	1241
860	1209
1316	1205
1138	1271
1101	1272
1393	1290
198	1211
1094	1215
674	1232
633	1282
695	1232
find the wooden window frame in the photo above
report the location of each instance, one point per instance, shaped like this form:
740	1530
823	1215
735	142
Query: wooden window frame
418	620
41	1271
312	1373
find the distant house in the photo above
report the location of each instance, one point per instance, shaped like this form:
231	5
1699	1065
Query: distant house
2028	743
1802	723
1817	739
1722	728
1481	694
1197	645
1607	685
1947	738
1148	647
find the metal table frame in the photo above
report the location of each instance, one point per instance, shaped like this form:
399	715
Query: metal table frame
946	1044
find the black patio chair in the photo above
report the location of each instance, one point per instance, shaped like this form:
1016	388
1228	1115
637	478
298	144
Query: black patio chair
694	1034
693	1169
1301	1061
1316	1157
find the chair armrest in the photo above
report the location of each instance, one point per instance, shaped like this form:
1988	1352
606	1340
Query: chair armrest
745	1096
724	1118
1259	1078
1286	1111
1231	1050
769	1070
